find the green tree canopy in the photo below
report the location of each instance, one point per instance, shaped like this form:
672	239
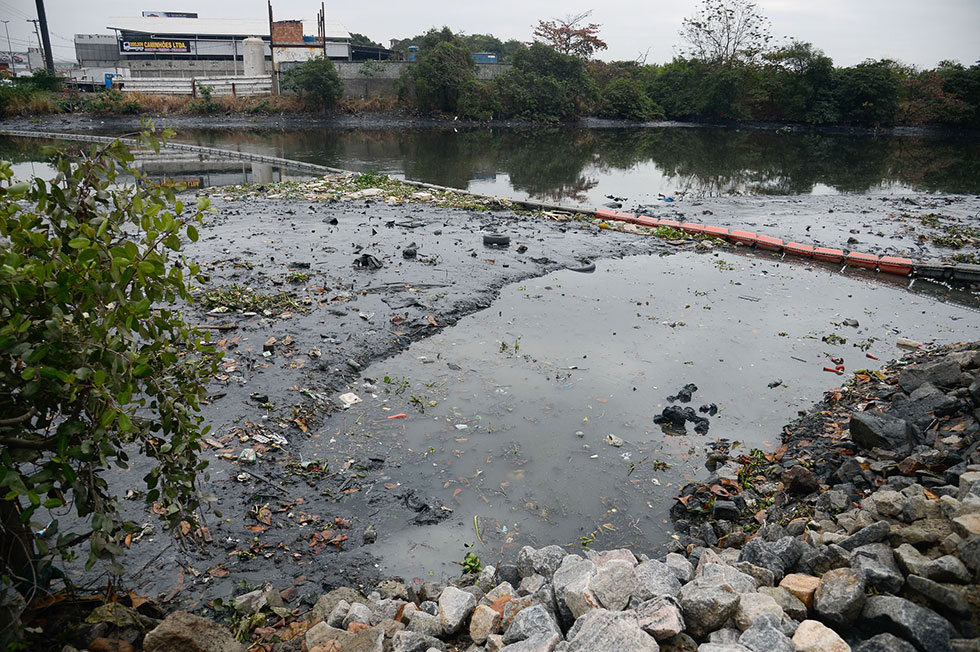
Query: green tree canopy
316	80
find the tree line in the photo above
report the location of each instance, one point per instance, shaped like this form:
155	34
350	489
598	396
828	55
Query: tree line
728	71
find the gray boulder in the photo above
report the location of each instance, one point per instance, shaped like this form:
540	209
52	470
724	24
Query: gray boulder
707	605
609	630
941	373
531	621
877	531
544	561
614	583
455	606
884	643
840	596
406	641
189	633
661	617
653	579
943	597
927	630
540	642
765	636
876	430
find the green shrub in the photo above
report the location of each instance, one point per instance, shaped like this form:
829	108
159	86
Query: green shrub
317	81
98	362
440	76
623	98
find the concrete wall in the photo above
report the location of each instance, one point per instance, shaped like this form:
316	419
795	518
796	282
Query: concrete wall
222	85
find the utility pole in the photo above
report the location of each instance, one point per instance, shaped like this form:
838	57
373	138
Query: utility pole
10	50
48	59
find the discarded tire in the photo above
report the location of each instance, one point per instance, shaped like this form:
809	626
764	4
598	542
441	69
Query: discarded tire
586	268
496	240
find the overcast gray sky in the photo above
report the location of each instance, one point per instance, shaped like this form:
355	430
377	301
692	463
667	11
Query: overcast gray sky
919	32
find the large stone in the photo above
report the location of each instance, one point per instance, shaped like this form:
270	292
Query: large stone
653	579
485	621
661	617
802	586
943	598
571	584
189	633
325	603
873	533
614	583
760	553
544	561
723	647
425	623
941	373
789	603
923	405
885	643
840	596
886	502
358	613
910	560
366	640
601	557
531	621
455	606
967	524
753	605
926	629
947	569
877	562
682	569
406	641
741	582
707	605
761	576
512	607
322	634
968	550
540	642
765	636
609	630
876	430
799	480
925	532
814	636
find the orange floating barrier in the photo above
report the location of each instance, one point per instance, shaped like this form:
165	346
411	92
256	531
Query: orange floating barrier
798	249
856	258
895	265
671	223
828	255
691	227
744	237
644	220
716	231
614	215
768	242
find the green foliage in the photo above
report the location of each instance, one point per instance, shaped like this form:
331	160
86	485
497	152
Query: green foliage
868	93
42	80
206	104
360	39
97	361
472	565
440	75
104	101
317	81
545	85
624	98
478	100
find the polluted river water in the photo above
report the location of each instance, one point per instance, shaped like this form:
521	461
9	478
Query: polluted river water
532	421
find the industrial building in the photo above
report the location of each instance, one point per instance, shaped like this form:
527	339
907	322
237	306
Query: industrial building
182	45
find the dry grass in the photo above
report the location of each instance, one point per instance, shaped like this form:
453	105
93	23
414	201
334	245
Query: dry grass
368	105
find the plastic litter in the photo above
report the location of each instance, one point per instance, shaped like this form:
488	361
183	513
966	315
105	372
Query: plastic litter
350	399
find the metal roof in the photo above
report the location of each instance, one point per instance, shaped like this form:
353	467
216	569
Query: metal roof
213	26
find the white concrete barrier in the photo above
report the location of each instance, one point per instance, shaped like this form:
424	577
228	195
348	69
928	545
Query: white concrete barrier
240	86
